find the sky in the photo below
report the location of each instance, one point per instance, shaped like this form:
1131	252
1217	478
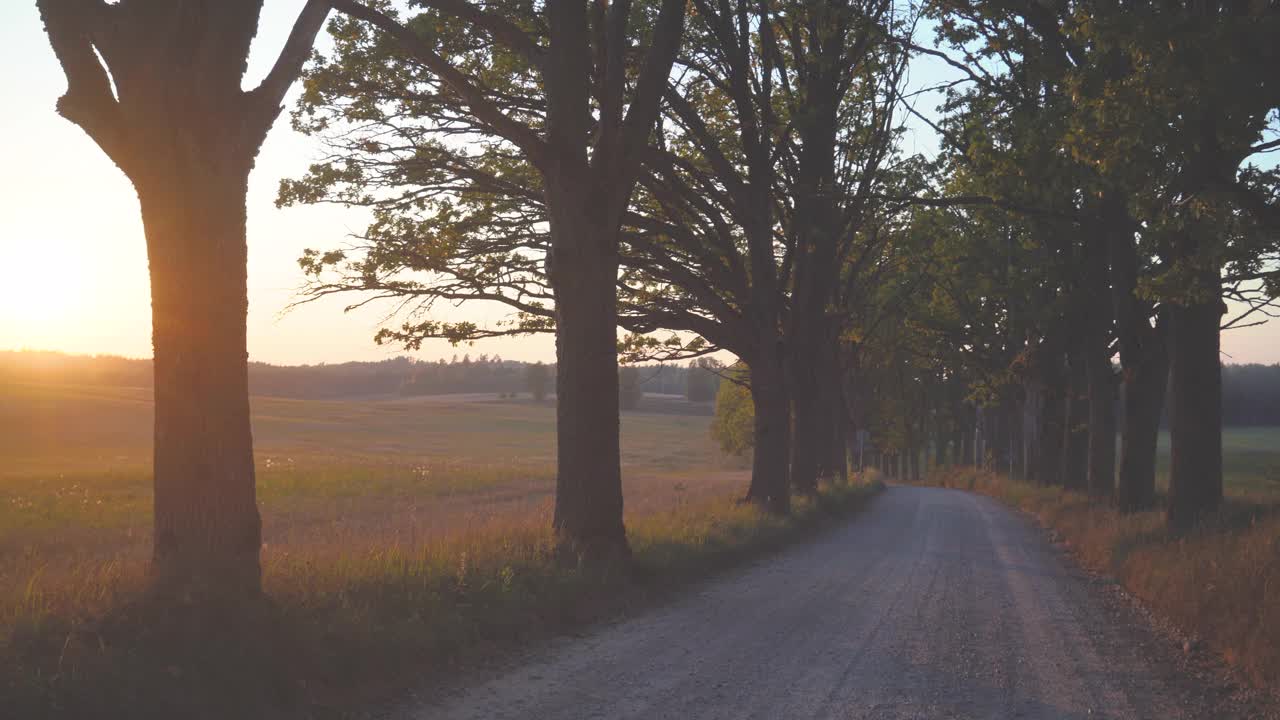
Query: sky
73	265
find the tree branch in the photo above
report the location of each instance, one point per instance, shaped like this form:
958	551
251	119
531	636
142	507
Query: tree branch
88	102
643	112
519	134
269	94
503	31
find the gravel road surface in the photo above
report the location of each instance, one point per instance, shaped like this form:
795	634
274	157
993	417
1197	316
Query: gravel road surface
929	604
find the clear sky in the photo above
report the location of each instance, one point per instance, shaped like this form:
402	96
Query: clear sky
73	265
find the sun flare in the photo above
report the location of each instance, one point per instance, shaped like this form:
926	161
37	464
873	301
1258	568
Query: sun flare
43	292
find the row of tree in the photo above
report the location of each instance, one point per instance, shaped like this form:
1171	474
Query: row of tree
1102	195
713	174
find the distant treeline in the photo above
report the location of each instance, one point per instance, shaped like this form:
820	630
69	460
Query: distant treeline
1251	395
395	376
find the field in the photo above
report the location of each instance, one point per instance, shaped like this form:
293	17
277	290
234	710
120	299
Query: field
75	483
401	537
1251	462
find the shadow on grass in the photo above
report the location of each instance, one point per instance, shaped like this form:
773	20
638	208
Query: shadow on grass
340	631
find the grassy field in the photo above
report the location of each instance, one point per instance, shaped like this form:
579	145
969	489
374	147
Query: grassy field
75	482
1250	462
402	537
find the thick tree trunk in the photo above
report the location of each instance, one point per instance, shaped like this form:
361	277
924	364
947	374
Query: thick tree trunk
177	122
588	508
939	449
769	486
814	278
1075	444
966	447
1143	387
1053	414
1195	414
1102	429
208	533
811	430
1145	377
1033	400
1098	319
836	465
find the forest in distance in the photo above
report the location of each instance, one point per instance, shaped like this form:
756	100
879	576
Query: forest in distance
697	381
1250	392
707	204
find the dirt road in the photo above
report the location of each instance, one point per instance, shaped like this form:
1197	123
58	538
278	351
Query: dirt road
930	604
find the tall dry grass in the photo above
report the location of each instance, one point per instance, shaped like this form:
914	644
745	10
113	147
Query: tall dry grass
1220	584
351	620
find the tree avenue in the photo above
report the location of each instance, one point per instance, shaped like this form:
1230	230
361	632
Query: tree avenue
972	305
158	87
738	187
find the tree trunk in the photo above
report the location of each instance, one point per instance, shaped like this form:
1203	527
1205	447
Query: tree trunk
1053	416
1143	387
208	533
588	508
1145	377
1102	430
1098	319
769	487
939	449
1075	444
814	276
181	128
811	431
1195	414
966	447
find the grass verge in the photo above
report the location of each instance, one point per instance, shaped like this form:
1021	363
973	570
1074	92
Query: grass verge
345	628
1220	584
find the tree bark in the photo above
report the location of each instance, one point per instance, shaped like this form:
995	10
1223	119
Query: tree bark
814	280
1101	385
181	128
1053	412
207	528
810	431
1075	444
1144	378
939	449
588	507
769	484
837	464
1143	390
1195	414
966	446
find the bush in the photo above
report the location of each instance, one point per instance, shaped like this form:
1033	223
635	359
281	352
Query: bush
734	424
629	388
537	379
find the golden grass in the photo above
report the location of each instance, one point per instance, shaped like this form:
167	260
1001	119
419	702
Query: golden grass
1220	584
350	625
403	539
